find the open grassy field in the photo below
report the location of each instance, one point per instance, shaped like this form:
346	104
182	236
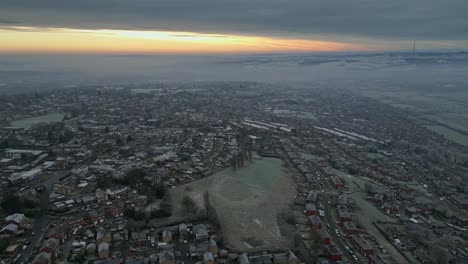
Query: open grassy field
29	122
433	108
247	202
450	134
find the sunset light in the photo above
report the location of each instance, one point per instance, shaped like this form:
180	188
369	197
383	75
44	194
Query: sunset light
63	40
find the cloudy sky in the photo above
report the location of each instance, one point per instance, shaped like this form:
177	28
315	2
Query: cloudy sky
230	26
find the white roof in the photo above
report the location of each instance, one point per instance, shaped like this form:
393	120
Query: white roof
103	246
30	173
11	227
34	152
17	218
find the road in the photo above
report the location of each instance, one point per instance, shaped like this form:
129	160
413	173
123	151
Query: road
41	222
338	240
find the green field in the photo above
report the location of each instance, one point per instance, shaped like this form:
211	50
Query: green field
247	201
450	134
29	122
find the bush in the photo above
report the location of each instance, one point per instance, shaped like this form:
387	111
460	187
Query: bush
4	243
160	191
13	204
131	177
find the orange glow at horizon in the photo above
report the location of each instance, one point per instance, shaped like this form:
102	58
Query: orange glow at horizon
65	40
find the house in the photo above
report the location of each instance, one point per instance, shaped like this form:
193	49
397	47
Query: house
243	259
96	216
391	196
139	239
12	250
91	249
377	259
390	208
362	245
460	219
378	198
343	213
337	182
407	244
101	196
166	257
77	222
103	250
60	164
325	237
261	259
333	253
350	228
213	247
312	196
183	231
311	209
201	232
407	198
117	190
412	211
51	246
315	222
422	256
88	199
114	211
9	229
42	258
167	236
103	237
25	176
17	153
281	258
208	258
292	259
15	219
58	232
426	208
343	200
461	201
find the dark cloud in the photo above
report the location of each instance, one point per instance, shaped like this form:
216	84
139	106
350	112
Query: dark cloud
7	21
397	19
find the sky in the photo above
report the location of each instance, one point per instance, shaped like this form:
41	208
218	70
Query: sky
228	26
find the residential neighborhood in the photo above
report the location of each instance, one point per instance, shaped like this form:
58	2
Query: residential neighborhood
204	173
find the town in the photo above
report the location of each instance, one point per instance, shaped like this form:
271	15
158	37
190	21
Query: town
225	172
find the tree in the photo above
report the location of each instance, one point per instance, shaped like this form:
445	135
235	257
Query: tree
439	255
369	188
160	191
13	204
165	209
3	244
5	144
189	205
132	177
234	162
129	212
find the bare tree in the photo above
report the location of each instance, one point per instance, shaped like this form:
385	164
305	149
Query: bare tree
439	255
